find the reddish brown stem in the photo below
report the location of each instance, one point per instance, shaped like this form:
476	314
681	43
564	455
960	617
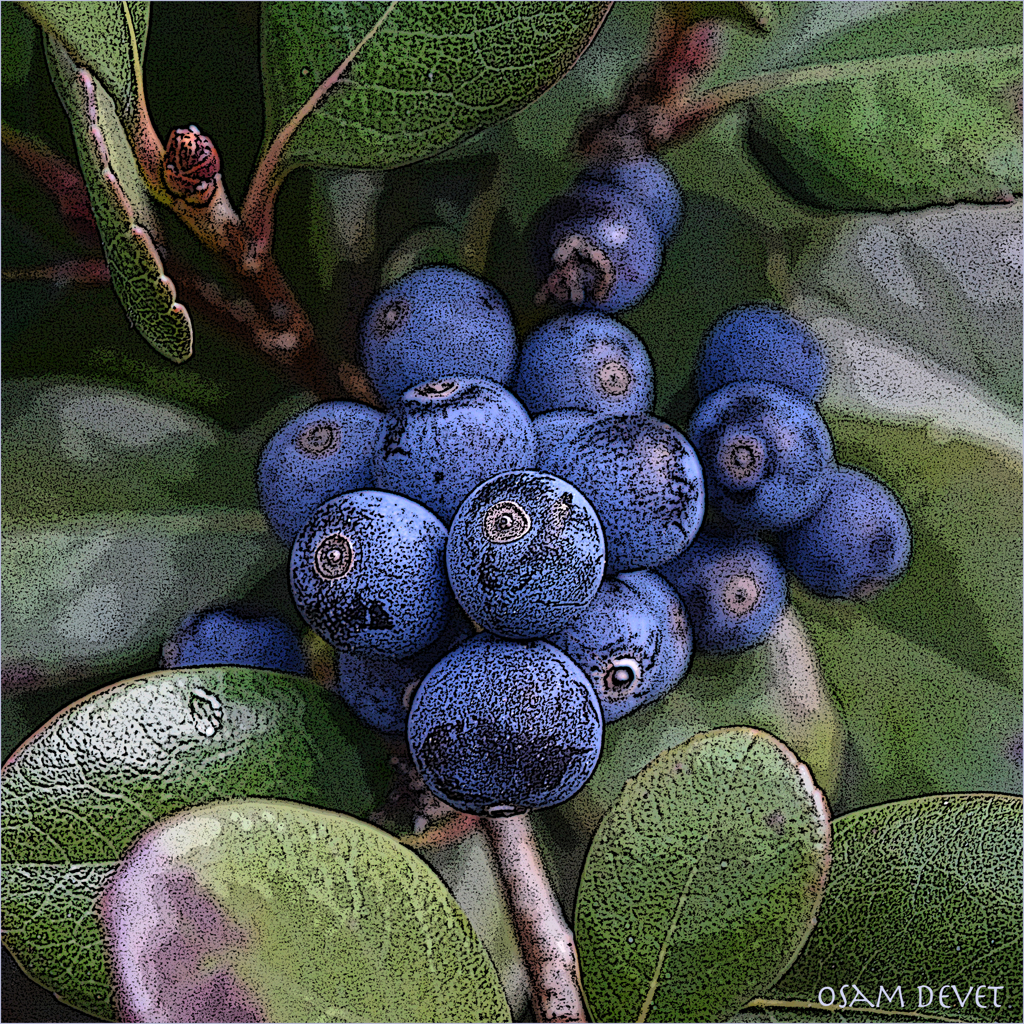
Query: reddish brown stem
61	179
546	941
86	273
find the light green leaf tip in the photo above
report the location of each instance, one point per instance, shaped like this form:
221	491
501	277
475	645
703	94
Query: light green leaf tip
703	881
123	213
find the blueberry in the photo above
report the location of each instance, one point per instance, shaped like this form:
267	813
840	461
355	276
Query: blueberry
650	181
761	342
643	478
733	588
556	427
367	573
586	361
766	452
597	249
436	322
499	726
447	436
525	554
225	636
855	544
676	652
379	689
322	452
621	645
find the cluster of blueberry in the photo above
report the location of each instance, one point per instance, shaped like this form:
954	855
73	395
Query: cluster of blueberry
515	552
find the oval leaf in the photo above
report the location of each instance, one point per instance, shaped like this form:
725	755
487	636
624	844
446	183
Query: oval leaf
121	206
84	787
107	38
921	914
703	882
77	447
911	110
425	77
293	913
100	594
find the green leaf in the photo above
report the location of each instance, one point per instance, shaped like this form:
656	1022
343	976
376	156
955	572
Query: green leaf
430	74
921	316
100	594
74	448
923	892
107	38
910	110
702	883
917	723
121	206
762	12
105	768
305	914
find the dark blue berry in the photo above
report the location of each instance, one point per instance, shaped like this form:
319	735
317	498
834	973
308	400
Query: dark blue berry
597	250
525	554
673	657
643	478
766	452
733	588
761	343
322	452
856	544
650	181
447	436
556	427
499	727
379	689
436	322
585	360
621	645
367	573
224	636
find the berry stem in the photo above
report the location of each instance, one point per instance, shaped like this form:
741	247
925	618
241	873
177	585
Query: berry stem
547	943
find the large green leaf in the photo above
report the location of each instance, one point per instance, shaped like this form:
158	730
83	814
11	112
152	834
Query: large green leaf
295	913
429	75
107	38
909	111
99	595
702	883
74	447
121	206
104	769
923	895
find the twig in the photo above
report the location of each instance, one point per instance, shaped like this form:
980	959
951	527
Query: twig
87	273
544	938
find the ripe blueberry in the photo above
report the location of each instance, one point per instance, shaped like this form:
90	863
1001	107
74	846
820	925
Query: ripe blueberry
224	636
767	454
498	727
643	479
379	689
316	455
734	590
555	427
621	645
855	544
525	554
761	342
651	183
367	573
585	360
597	249
436	322
447	436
